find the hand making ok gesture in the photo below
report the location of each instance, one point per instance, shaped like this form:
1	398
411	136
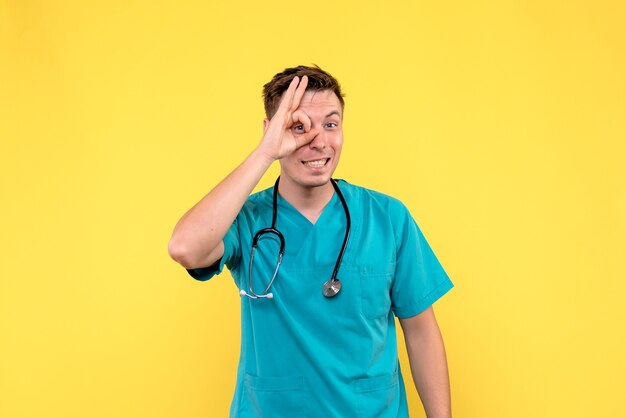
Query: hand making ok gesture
280	138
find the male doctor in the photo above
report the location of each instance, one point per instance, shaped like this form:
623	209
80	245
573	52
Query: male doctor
318	329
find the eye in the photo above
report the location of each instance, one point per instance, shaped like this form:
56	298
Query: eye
331	125
298	128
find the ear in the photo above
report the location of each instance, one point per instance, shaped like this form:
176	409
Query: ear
266	123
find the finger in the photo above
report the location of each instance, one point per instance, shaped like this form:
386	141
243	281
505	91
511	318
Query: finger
287	100
299	93
305	138
300	117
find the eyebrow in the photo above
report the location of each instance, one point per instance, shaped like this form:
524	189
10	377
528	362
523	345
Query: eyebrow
334	112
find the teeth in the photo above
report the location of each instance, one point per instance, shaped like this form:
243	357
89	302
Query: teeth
316	163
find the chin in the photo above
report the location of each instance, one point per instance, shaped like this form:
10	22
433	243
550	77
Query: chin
316	181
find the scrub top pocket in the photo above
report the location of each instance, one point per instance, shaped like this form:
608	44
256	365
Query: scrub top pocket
375	293
273	397
377	397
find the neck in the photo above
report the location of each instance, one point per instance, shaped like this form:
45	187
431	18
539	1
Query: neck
310	201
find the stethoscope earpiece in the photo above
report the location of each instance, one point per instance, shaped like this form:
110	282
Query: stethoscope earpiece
243	293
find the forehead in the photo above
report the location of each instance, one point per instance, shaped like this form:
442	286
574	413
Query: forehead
320	101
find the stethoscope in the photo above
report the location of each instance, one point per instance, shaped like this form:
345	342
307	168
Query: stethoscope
331	287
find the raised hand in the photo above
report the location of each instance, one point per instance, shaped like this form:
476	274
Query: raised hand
197	240
289	128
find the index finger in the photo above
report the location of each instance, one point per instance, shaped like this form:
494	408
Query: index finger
285	102
297	97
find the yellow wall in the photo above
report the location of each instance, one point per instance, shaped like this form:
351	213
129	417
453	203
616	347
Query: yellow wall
502	125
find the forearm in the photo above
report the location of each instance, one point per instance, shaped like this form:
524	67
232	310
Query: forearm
429	366
197	238
201	230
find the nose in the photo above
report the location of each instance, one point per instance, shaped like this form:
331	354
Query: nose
319	141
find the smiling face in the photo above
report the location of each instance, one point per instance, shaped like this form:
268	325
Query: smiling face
312	165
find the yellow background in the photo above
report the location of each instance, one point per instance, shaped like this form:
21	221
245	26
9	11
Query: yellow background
501	125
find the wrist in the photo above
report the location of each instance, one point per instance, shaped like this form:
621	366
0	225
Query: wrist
263	157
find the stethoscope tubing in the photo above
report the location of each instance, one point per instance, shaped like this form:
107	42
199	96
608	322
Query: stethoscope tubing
348	227
333	282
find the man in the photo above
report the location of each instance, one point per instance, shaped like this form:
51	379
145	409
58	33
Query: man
317	343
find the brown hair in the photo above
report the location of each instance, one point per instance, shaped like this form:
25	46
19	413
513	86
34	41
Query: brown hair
318	80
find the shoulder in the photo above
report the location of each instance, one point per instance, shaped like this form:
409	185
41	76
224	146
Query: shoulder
256	204
261	197
372	198
381	214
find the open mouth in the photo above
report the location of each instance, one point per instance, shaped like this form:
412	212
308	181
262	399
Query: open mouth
316	163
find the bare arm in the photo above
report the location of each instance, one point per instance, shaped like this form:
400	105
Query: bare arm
429	366
197	237
197	240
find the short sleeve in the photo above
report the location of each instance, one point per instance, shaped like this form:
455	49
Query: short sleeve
419	280
230	258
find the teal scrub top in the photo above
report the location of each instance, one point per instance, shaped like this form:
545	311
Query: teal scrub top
305	355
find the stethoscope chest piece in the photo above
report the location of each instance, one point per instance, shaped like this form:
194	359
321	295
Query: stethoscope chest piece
331	288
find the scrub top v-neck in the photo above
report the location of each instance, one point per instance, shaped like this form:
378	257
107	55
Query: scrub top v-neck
303	354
